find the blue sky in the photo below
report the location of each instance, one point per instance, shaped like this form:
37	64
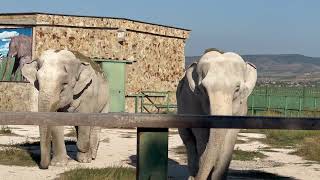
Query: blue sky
243	26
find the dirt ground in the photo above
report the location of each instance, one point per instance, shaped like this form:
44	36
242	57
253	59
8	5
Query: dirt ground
118	148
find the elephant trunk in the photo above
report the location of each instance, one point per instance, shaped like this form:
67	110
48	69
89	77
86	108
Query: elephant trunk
45	105
220	104
45	146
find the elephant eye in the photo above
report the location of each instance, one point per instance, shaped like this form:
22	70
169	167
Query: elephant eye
63	86
237	88
236	92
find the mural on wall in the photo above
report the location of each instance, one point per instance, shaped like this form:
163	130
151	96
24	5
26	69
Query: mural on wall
6	35
16	44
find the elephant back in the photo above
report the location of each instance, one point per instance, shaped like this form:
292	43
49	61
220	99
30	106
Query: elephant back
85	59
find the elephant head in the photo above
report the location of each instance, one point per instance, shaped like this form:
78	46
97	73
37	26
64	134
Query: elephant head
61	76
20	46
222	83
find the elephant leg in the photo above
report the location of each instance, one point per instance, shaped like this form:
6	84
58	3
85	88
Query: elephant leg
202	136
94	140
60	157
45	146
84	154
221	168
190	144
95	135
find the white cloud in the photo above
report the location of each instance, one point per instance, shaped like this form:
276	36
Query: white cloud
8	34
5	40
4	47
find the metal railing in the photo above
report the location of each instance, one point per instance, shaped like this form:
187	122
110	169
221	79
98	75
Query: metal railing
274	101
285	101
153	102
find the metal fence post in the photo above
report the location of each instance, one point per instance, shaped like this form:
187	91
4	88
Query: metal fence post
315	104
285	106
300	106
252	105
152	153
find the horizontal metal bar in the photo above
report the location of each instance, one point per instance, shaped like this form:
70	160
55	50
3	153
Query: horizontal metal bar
126	120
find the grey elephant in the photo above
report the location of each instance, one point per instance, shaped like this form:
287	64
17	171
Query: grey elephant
219	84
20	47
68	82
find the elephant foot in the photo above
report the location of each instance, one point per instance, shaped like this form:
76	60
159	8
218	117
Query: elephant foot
84	157
94	154
59	161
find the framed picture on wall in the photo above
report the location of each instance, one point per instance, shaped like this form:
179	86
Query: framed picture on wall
15	51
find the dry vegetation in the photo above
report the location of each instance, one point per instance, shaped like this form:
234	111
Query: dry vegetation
17	157
112	173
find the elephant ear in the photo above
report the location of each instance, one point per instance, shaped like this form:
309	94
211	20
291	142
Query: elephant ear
29	71
250	80
84	77
192	76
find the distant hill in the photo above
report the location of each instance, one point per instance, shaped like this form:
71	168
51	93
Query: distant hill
281	67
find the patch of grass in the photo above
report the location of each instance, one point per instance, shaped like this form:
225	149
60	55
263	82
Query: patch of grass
310	148
17	157
112	173
287	138
5	130
246	155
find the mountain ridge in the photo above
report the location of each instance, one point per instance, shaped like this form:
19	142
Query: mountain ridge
280	67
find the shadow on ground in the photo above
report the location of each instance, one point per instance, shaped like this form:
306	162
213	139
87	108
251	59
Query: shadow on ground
33	148
177	171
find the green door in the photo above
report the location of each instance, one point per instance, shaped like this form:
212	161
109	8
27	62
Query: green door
115	72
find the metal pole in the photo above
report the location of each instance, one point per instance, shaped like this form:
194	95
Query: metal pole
152	153
285	106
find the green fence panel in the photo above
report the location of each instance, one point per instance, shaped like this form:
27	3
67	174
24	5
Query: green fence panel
286	101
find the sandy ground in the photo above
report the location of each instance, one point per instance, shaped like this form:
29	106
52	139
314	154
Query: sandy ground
118	148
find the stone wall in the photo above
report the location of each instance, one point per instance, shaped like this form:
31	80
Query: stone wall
17	97
157	50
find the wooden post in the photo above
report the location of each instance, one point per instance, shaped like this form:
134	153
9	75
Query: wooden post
152	153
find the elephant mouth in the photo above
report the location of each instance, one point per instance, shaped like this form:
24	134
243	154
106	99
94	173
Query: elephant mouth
64	109
76	96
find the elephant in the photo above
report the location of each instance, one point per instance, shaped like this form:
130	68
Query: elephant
20	47
218	84
68	82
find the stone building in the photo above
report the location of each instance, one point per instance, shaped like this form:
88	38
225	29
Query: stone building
137	56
